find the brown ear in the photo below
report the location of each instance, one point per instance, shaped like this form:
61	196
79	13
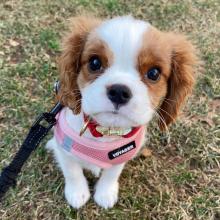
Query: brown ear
69	62
181	80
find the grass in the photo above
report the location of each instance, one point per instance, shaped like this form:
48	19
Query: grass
182	177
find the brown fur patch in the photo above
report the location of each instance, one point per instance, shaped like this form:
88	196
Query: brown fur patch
69	63
182	77
94	47
176	58
155	52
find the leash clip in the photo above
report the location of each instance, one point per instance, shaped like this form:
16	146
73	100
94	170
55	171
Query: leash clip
56	86
47	117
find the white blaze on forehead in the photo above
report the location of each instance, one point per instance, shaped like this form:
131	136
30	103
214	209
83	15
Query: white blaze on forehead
124	36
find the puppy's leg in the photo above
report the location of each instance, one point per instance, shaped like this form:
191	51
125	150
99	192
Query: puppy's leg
76	187
106	194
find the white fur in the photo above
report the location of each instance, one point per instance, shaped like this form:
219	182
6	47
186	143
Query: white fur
76	187
124	37
106	194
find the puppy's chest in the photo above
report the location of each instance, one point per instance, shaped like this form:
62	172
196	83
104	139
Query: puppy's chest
101	154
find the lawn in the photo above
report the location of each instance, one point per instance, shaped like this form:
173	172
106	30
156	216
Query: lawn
180	179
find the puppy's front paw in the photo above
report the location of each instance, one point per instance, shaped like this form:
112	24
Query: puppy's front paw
76	196
106	195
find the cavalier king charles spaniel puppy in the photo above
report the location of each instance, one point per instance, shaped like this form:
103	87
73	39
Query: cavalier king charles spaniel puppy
115	75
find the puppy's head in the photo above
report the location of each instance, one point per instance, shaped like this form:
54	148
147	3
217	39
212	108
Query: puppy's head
122	71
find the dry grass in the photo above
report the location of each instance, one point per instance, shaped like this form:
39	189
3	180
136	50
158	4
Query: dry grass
181	180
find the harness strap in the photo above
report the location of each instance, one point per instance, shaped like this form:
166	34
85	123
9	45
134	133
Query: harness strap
37	132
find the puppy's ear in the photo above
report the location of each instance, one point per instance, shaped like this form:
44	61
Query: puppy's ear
69	62
181	80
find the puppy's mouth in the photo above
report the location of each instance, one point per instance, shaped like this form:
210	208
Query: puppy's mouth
99	131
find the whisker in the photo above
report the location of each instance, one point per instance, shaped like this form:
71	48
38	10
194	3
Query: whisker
167	113
167	130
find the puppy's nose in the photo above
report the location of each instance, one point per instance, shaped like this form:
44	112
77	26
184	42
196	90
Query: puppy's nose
119	94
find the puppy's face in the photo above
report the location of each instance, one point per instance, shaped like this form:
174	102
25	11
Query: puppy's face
122	71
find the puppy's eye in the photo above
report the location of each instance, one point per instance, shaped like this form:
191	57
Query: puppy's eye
153	74
95	64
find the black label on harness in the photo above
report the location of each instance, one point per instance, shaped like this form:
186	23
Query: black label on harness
121	150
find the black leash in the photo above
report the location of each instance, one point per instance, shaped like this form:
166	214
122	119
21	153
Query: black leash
37	132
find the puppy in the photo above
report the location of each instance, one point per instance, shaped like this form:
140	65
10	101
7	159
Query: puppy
115	75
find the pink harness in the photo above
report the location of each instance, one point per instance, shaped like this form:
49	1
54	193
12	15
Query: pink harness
101	154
